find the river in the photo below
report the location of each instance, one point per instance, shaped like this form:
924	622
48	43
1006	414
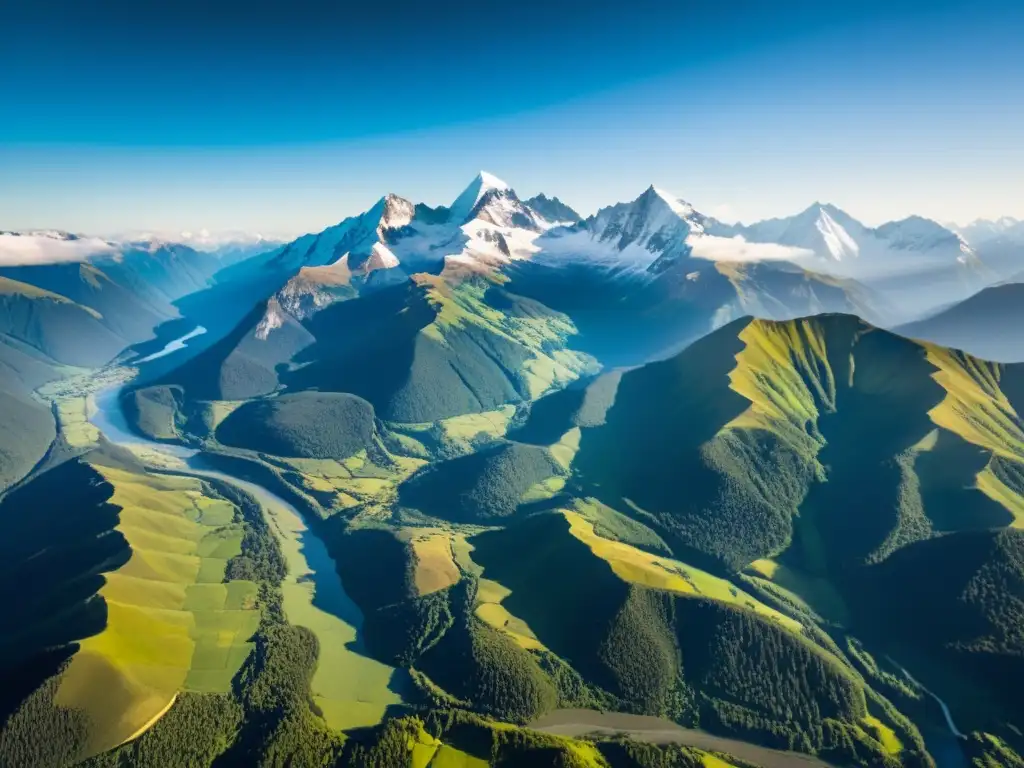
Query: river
350	688
172	346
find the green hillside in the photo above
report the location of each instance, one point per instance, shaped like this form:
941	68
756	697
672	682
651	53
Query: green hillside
315	425
419	351
791	534
54	325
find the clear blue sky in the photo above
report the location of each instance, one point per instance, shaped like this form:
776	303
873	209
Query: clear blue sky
285	117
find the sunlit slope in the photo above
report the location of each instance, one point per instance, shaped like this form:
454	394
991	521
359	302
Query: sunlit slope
654	634
427	349
826	431
172	622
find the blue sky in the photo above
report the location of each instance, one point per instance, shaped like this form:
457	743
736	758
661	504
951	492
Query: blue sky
285	117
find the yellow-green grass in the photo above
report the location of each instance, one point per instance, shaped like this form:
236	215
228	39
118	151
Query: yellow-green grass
355	480
166	630
711	761
565	450
490	610
464	428
425	751
975	407
350	689
883	734
450	757
462	553
73	419
545	489
817	594
989	483
783	371
218	410
433	559
460	304
639	567
553	370
489	597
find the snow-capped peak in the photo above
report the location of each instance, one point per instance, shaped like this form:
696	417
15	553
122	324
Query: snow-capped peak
678	206
840	244
397	212
654	221
480	186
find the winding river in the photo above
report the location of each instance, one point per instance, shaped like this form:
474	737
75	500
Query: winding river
350	689
353	690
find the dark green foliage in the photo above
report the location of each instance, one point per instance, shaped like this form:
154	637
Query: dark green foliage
948	473
408	376
641	653
967	590
198	729
41	734
315	425
986	751
153	411
400	632
616	636
573	691
482	486
486	668
612	524
376	568
694	659
678	406
261	558
584	403
551	416
632	754
736	657
277	674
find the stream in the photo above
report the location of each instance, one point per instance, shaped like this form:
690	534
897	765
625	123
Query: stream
350	689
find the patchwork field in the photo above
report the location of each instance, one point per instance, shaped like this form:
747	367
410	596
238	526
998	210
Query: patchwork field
172	623
354	481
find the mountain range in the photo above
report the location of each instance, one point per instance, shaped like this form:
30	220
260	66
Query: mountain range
456	485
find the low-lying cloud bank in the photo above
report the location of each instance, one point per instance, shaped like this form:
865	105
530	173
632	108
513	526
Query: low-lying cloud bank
17	250
737	248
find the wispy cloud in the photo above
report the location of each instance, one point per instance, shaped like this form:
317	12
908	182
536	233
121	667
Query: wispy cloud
737	248
45	248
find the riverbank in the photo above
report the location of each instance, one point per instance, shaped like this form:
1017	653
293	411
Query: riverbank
349	688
